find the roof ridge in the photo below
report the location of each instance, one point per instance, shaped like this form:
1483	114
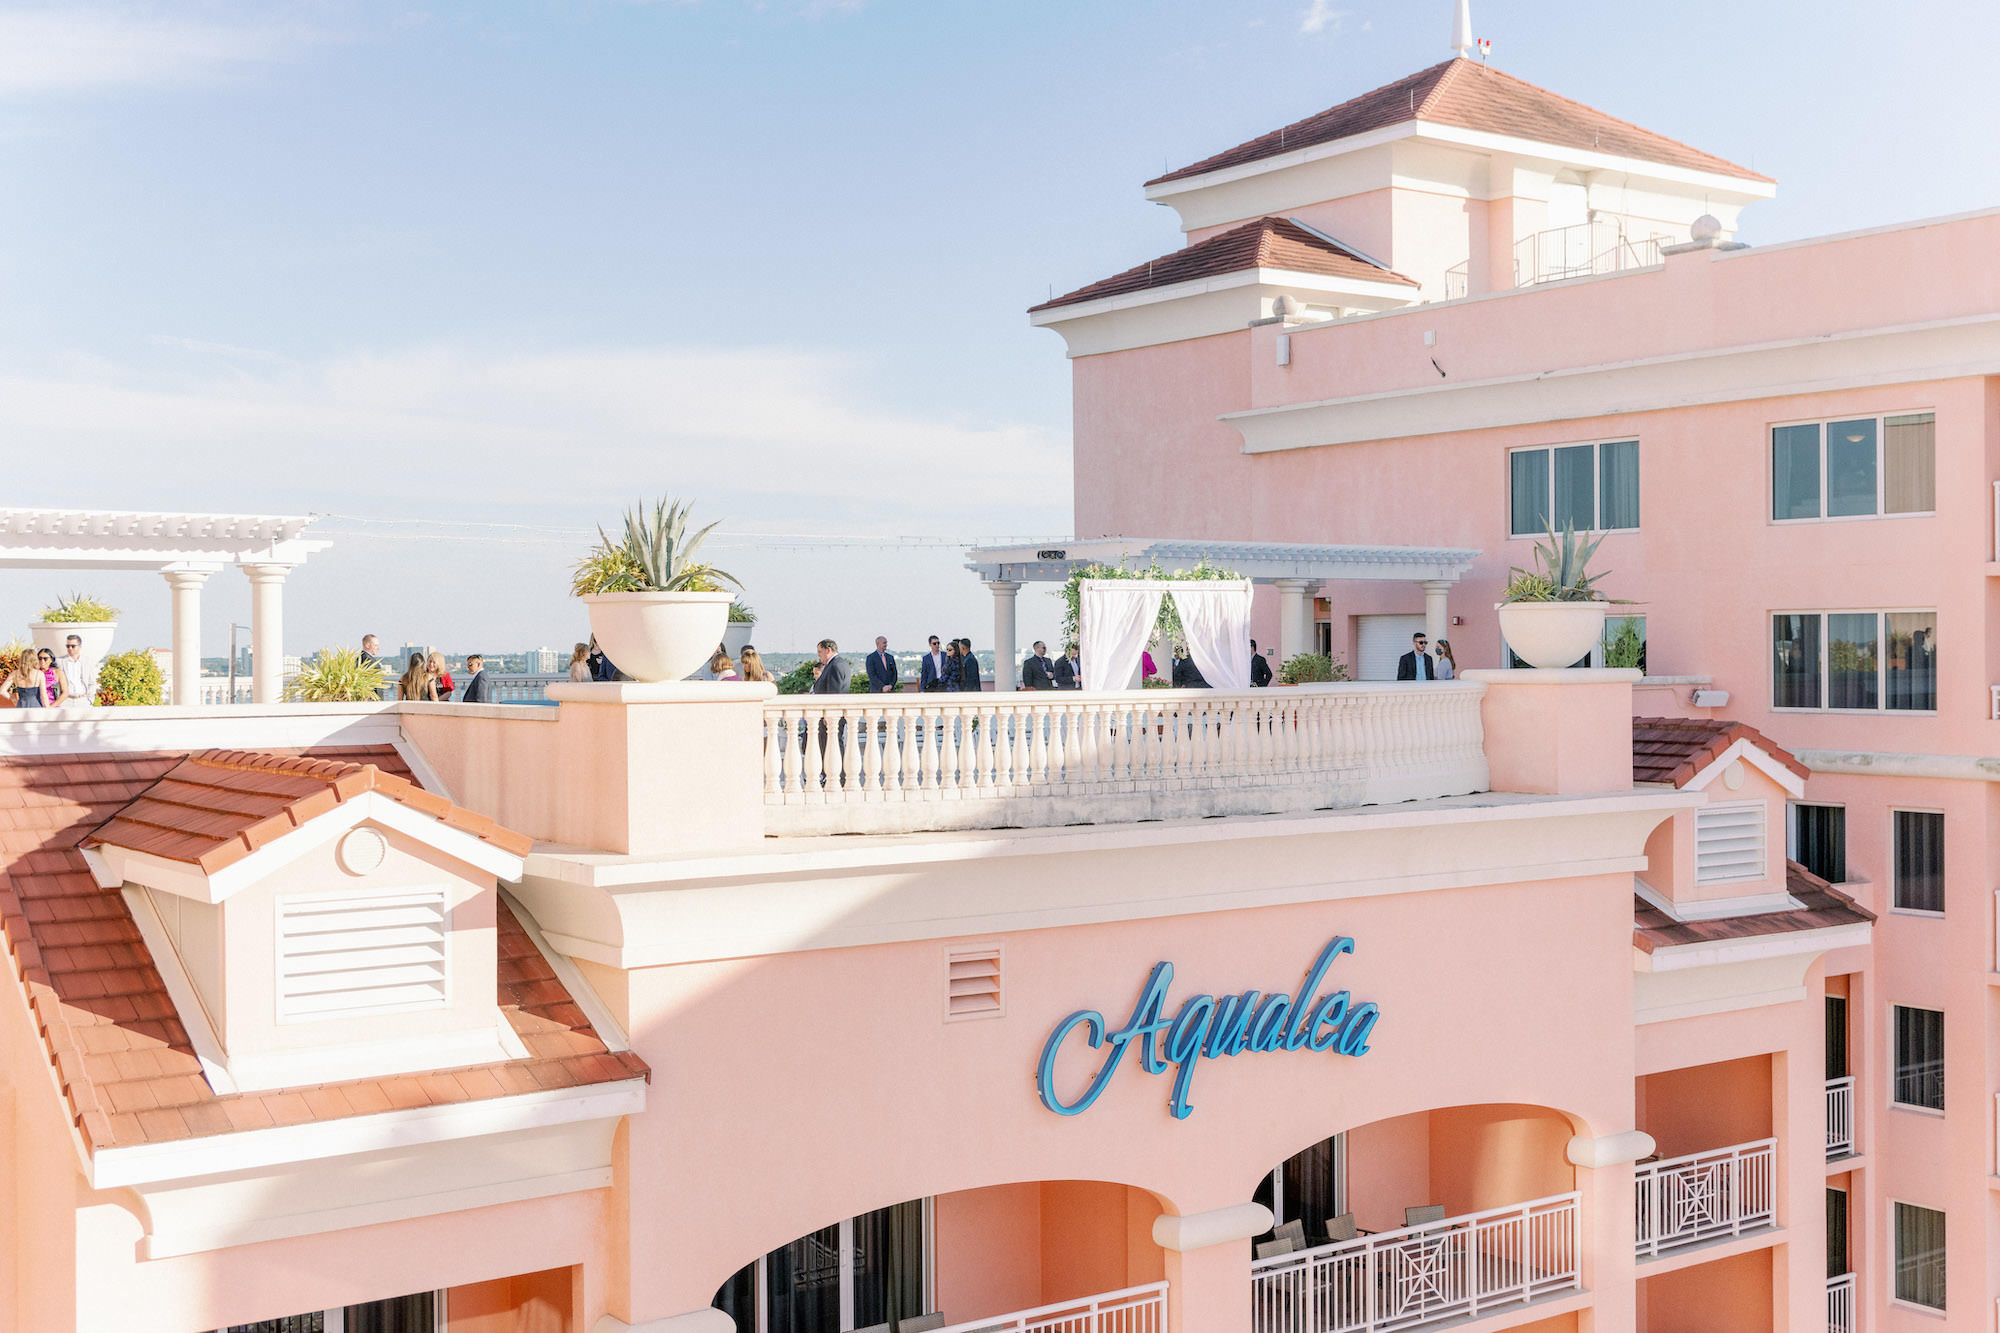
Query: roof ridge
265	761
1452	69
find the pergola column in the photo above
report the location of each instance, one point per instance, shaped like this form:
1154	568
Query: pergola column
186	641
1294	617
1004	665
267	631
1436	622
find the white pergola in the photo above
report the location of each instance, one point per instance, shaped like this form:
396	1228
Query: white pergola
185	549
1296	569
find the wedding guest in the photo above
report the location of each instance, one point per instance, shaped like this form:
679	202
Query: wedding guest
478	689
884	675
1417	664
579	663
25	681
931	671
1447	665
1146	668
52	679
968	665
418	684
1037	672
1260	669
954	670
1069	670
722	668
753	666
436	664
79	678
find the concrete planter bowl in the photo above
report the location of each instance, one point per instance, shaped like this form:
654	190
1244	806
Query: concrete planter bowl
1552	635
653	636
96	636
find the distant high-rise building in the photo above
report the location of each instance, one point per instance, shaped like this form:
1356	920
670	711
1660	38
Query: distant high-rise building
545	661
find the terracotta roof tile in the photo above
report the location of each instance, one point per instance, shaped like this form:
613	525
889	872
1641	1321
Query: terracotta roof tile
1469	95
117	1045
1265	243
1673	749
1820	905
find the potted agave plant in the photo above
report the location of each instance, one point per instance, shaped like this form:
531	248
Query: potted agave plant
742	624
1554	615
657	611
92	620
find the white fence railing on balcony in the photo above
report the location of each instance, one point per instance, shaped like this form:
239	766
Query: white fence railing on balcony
1705	1195
216	690
521	689
1598	246
1840	1304
1839	1117
1133	1310
883	763
1460	1267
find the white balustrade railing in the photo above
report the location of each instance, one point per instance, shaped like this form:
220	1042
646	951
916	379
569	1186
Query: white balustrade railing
520	689
216	690
1724	1192
1839	1117
886	763
1840	1304
1133	1310
1460	1267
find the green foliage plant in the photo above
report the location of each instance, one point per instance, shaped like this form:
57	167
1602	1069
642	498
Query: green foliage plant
130	679
1625	644
79	609
1168	626
741	614
337	676
1312	669
10	655
1563	573
798	680
656	554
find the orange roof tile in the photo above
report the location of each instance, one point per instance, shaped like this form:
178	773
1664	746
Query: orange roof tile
1820	905
114	1039
1472	96
1673	749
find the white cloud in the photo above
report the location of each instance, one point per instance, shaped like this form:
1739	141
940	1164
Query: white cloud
72	49
1321	16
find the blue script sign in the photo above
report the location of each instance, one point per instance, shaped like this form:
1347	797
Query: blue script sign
1207	1028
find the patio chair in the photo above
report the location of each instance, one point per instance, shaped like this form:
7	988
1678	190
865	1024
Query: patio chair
1272	1248
1423	1215
1341	1227
1293	1231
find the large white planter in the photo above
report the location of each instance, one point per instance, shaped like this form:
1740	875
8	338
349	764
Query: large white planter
96	636
658	635
1552	635
737	635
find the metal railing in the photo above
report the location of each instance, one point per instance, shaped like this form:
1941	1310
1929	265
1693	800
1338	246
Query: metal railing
1461	1267
1839	1117
1132	1310
1578	251
1704	1195
887	763
1840	1304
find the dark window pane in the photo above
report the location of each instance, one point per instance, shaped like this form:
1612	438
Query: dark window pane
298	1323
737	1298
1795	661
1919	860
1795	472
1819	840
1851	661
1575	488
1913	660
1529	477
1312	1189
1920	1255
802	1285
1850	468
889	1257
1909	464
1618	484
1919	1057
1836	1040
404	1314
1836	1233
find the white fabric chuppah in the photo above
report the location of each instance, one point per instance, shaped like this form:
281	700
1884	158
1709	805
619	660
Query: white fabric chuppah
1117	618
1215	615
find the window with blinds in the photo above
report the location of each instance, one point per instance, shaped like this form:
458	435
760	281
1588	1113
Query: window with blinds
1920	1255
345	953
1919	838
1919	1058
972	984
1729	843
1819	840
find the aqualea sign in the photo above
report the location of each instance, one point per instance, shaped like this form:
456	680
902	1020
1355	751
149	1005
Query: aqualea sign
1206	1027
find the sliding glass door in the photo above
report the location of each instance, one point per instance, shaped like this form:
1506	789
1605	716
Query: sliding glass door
839	1278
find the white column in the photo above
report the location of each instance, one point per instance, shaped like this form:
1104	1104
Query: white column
186	641
1436	622
267	631
1005	668
1294	618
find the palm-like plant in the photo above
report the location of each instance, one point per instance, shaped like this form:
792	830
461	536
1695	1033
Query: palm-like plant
657	554
1564	574
336	676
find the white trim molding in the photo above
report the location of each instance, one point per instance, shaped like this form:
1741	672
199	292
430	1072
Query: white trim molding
1610	1149
708	1319
1216	1226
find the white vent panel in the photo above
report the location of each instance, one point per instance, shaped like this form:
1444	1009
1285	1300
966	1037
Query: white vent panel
342	954
1729	843
972	984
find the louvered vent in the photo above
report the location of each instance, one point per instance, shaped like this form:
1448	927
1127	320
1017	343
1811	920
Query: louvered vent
345	954
972	984
1729	843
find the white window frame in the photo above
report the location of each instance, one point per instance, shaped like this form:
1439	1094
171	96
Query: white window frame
1881	615
1596	481
1881	420
846	1278
1894	908
1792	829
1889	1250
1763	812
1917	1108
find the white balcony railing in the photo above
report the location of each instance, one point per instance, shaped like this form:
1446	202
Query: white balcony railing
1705	1195
1597	246
887	763
1460	1267
1840	1304
1839	1117
1133	1310
216	690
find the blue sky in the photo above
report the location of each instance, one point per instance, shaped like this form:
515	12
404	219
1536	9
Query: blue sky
515	263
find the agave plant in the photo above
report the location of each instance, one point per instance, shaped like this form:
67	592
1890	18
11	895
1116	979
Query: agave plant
657	554
79	609
337	676
1564	574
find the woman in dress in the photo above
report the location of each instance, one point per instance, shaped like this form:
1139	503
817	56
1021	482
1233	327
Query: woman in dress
1146	668
954	670
55	690
753	666
24	682
418	685
579	663
435	664
721	667
1447	665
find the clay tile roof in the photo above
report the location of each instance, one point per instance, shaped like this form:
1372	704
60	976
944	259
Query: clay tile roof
1820	905
216	807
1471	96
1264	243
1672	750
111	1033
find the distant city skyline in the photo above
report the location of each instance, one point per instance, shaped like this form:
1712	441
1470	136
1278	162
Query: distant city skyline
506	263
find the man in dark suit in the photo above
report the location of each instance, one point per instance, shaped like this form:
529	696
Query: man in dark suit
1416	664
1187	676
836	676
884	677
1260	670
1069	671
1038	673
930	672
478	690
968	668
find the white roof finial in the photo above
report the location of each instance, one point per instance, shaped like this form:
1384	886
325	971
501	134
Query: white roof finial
1461	30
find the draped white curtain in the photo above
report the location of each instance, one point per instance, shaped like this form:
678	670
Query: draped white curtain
1216	618
1117	619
